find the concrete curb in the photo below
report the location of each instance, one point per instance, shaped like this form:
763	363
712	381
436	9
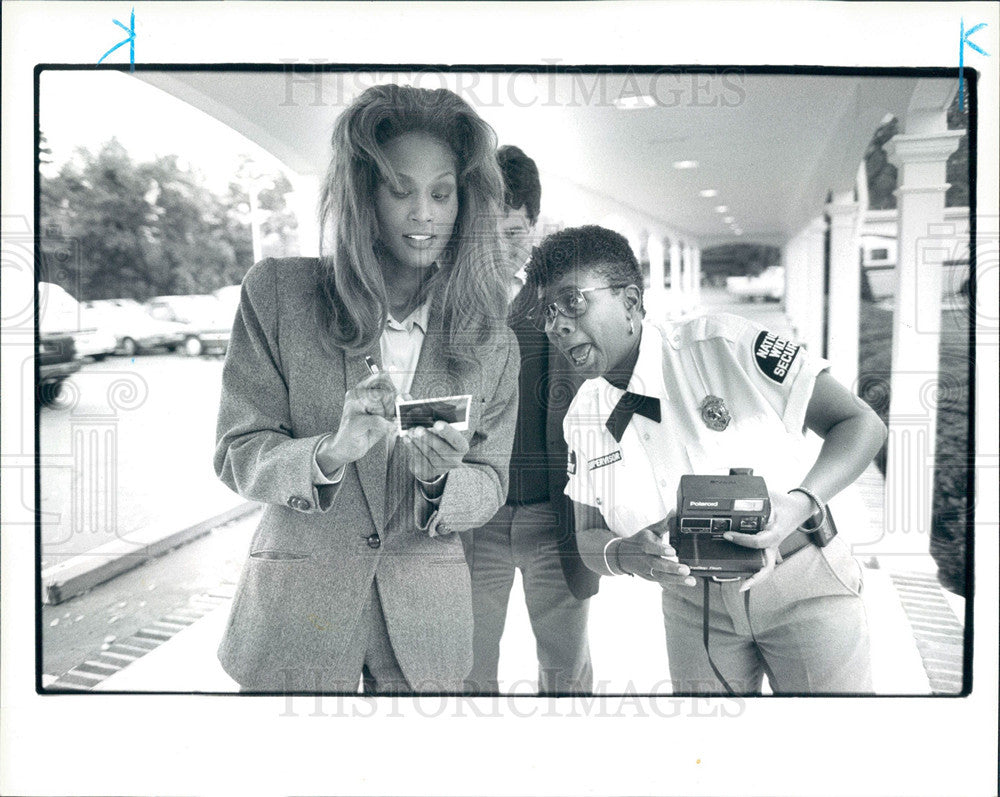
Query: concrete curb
79	573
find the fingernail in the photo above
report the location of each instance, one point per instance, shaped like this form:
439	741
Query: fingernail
690	582
745	586
671	558
683	570
439	426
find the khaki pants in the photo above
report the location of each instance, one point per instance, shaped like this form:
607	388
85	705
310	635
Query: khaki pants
804	627
523	537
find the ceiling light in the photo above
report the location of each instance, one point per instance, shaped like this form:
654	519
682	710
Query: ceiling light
721	208
634	102
685	164
708	193
728	219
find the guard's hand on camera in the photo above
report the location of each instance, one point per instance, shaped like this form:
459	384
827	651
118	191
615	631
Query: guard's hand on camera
648	555
365	420
435	451
788	512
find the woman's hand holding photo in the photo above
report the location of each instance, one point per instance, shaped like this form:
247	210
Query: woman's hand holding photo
435	451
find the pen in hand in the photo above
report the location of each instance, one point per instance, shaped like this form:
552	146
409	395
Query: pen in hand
373	369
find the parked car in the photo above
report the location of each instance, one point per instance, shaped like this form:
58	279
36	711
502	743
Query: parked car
230	298
768	285
60	313
57	361
207	324
135	330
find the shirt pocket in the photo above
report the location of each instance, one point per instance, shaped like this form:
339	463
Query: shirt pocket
628	495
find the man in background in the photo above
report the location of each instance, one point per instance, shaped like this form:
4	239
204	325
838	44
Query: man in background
534	531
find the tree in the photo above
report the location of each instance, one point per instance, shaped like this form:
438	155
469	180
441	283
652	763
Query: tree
880	173
147	229
98	201
957	170
278	224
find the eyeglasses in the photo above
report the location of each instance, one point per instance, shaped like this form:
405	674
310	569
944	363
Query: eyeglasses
571	303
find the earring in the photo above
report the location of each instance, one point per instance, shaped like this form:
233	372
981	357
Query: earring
631	329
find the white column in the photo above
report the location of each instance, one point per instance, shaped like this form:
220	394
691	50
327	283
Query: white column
253	187
685	306
696	276
303	199
845	287
795	298
657	290
814	309
920	156
786	259
676	289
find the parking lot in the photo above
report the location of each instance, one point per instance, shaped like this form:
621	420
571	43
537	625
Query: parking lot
128	444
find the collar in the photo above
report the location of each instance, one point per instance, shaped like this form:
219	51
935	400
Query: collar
417	317
647	376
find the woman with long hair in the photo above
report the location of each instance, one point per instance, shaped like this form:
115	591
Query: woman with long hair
355	568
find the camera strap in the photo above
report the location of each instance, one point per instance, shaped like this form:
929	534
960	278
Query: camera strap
704	637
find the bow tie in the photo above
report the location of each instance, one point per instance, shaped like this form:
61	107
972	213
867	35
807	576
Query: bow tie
627	406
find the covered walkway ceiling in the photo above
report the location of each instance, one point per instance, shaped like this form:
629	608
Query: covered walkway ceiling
772	147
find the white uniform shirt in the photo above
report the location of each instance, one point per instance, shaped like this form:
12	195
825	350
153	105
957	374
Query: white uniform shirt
765	383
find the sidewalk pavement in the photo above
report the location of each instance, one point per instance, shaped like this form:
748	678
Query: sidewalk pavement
628	656
73	575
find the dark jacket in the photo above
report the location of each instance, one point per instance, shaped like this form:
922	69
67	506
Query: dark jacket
562	385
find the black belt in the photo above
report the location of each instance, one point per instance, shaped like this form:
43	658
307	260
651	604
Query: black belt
794	542
514	502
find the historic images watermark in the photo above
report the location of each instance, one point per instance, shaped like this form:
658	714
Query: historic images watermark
629	701
311	82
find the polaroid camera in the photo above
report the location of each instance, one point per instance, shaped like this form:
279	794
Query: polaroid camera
709	506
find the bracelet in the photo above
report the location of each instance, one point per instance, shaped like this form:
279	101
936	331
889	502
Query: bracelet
820	508
618	560
604	553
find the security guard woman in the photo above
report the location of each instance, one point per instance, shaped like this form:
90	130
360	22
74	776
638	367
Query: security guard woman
702	397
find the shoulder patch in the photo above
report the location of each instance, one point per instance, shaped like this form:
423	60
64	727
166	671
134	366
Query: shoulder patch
571	463
774	355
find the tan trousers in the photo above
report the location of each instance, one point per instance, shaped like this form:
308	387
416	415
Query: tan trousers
804	627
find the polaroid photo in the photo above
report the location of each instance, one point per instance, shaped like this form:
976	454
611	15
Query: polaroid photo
424	413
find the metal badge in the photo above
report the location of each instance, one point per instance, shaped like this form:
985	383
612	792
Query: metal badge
715	414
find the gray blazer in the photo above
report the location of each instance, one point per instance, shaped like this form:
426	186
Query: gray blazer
310	569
